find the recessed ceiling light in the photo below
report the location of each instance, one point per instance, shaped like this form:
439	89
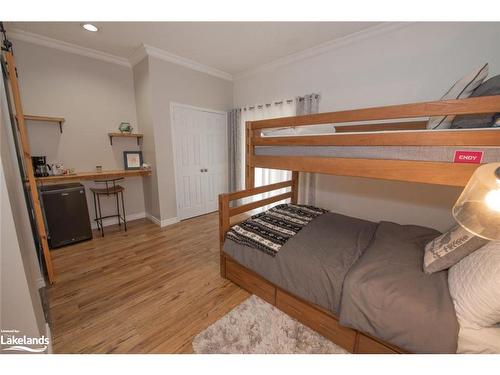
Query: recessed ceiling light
90	27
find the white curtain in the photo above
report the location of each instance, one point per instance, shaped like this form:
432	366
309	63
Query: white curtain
281	108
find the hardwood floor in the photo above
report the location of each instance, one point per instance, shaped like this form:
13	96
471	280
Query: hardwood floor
148	290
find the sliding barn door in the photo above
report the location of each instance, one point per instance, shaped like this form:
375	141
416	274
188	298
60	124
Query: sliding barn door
200	157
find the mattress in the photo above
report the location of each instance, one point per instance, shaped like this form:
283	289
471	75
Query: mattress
387	295
368	274
415	153
314	262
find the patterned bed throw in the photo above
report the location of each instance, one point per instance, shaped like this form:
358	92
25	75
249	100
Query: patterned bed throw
268	231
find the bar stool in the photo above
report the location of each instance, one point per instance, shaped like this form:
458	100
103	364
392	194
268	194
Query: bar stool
111	189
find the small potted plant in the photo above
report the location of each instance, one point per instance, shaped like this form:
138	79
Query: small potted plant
125	127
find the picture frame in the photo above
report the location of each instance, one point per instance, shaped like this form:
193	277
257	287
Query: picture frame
132	159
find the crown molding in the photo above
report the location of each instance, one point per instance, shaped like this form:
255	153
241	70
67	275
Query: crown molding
66	47
147	50
143	51
139	54
325	47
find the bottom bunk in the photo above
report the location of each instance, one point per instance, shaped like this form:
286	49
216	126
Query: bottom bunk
361	284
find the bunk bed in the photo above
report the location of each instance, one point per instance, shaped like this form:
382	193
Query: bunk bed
401	151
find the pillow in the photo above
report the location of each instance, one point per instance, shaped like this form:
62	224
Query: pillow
447	249
479	341
474	285
490	87
461	89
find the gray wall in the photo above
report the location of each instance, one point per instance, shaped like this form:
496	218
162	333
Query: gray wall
94	97
418	62
20	275
174	83
414	63
169	83
142	91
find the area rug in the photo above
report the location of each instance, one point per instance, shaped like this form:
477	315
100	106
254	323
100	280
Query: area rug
257	327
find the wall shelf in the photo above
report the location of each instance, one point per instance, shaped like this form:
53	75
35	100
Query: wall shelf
138	136
56	120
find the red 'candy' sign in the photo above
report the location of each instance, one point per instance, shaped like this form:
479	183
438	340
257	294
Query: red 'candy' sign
473	157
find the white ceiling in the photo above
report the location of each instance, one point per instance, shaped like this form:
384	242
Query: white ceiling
231	47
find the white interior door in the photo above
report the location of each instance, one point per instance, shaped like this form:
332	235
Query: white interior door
200	153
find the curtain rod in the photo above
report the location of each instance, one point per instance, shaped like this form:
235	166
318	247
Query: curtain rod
259	106
288	101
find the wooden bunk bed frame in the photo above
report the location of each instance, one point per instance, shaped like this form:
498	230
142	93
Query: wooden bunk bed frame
379	134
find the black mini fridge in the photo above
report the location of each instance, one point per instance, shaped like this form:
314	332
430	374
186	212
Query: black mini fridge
66	214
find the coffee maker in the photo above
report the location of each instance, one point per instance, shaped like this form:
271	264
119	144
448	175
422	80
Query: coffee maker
40	166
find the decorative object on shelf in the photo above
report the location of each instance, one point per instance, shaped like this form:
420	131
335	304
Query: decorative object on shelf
56	169
98	168
478	207
125	127
146	166
132	159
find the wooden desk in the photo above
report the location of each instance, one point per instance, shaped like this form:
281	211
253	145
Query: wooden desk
93	176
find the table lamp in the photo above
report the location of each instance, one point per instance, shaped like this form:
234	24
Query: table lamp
478	207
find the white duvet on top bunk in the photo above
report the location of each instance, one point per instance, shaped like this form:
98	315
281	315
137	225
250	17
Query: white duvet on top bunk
299	130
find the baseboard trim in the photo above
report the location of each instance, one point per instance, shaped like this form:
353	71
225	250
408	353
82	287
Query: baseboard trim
164	222
153	219
170	221
113	220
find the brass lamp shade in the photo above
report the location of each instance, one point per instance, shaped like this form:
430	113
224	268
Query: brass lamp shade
478	207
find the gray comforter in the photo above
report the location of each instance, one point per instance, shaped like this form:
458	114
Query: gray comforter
370	274
314	262
387	294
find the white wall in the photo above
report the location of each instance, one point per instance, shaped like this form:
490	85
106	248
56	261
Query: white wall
94	97
417	62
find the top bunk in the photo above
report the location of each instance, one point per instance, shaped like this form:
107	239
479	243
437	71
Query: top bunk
370	143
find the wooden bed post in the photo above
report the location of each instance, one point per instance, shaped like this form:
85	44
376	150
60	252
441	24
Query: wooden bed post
33	189
223	228
226	212
295	187
249	163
